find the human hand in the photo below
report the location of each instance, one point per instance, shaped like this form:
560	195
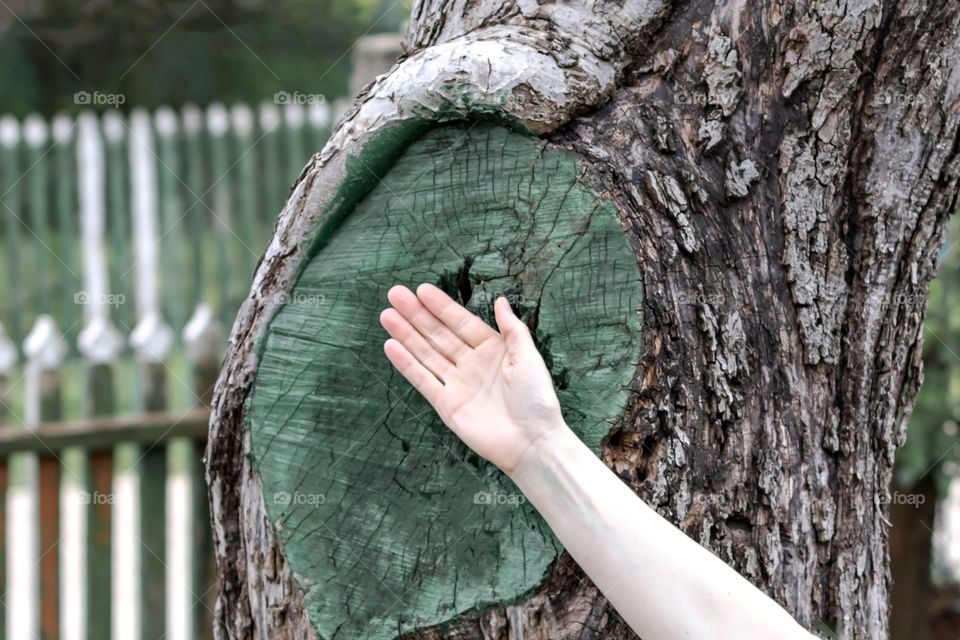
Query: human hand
492	389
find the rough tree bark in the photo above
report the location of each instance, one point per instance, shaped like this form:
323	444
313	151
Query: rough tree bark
785	172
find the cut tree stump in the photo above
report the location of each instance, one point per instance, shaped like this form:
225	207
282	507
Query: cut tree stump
387	520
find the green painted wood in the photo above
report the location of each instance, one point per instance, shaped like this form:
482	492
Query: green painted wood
42	265
12	209
275	183
195	212
151	464
121	259
172	222
67	312
153	477
96	472
387	520
250	237
225	245
295	142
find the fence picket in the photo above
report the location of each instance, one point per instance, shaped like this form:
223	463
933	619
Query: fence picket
116	134
171	215
64	192
44	349
293	126
139	538
245	173
10	178
100	344
35	136
274	179
191	119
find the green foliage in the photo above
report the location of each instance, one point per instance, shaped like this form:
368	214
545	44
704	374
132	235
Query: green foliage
180	51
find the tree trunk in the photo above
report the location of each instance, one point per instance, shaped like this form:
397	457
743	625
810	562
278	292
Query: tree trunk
783	174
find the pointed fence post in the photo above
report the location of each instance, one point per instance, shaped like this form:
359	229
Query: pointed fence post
122	263
44	349
191	119
100	344
140	475
64	167
11	208
171	215
36	133
250	237
227	247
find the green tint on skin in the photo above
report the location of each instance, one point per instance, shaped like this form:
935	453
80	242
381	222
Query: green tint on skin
389	522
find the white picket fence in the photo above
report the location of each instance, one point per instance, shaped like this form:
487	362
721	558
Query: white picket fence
128	243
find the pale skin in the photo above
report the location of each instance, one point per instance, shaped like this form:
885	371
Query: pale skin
492	389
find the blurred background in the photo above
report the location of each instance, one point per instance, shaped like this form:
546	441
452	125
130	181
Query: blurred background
146	148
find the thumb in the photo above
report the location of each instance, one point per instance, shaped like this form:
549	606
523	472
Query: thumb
512	328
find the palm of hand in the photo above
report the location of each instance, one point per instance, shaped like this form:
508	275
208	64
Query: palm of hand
492	389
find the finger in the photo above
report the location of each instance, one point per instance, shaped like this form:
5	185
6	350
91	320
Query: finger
429	326
464	324
514	330
402	331
411	369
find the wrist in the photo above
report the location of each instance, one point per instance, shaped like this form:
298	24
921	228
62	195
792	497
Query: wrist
546	451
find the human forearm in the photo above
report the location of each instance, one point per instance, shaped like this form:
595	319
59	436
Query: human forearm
495	392
664	584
